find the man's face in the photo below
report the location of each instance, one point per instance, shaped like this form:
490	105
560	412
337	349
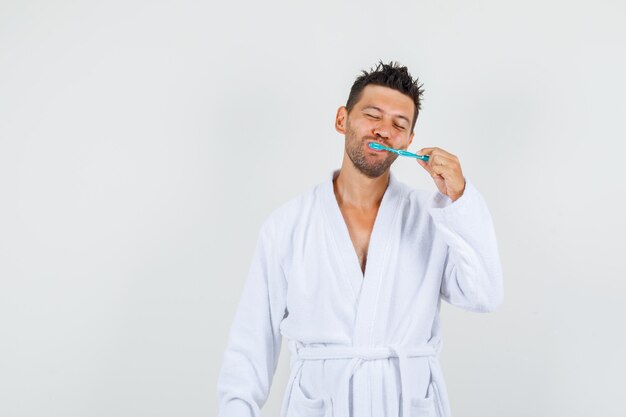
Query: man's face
382	115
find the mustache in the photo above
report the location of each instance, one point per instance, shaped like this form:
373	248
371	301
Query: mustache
373	139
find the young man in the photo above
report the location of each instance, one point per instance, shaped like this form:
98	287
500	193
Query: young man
353	271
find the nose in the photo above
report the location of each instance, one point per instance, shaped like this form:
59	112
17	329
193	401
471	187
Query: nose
382	129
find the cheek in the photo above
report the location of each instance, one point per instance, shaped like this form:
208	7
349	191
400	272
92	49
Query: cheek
398	143
401	138
358	130
363	125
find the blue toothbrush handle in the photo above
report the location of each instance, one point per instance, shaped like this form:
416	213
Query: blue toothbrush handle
402	152
412	155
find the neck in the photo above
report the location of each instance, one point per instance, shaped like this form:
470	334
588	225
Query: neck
355	189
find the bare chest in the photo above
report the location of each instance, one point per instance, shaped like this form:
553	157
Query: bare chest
360	225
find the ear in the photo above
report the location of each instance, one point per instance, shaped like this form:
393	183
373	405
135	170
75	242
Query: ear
340	120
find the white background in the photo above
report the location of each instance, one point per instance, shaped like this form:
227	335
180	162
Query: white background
143	143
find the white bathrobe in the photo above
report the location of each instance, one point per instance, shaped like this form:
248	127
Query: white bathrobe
362	345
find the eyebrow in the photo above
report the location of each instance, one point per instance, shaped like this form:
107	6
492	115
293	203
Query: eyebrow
381	110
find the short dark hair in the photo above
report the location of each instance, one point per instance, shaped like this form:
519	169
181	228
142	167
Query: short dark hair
390	75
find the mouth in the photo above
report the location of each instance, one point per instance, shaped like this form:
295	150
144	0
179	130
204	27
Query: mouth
367	145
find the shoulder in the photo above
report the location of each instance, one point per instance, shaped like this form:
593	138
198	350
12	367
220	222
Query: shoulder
293	211
417	197
436	200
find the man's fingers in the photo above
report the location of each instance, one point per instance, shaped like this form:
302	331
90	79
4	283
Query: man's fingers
435	163
441	164
437	159
437	151
445	170
442	170
437	171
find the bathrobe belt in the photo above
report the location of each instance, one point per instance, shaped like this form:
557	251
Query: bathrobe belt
359	354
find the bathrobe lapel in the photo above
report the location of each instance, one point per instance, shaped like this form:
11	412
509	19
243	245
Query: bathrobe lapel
365	287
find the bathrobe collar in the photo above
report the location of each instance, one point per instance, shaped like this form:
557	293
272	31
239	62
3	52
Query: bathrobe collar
364	287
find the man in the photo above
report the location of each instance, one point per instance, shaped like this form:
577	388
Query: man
353	271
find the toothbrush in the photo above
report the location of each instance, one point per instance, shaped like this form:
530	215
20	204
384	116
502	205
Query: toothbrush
400	152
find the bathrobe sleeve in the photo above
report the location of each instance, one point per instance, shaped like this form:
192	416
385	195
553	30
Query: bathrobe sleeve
472	278
254	341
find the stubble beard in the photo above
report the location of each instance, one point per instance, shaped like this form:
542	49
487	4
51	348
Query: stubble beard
372	168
